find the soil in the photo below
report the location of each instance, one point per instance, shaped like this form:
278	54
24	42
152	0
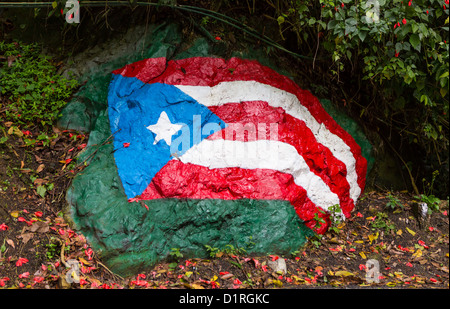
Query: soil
37	243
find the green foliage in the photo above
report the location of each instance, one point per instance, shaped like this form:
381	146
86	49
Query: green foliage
31	83
395	51
394	202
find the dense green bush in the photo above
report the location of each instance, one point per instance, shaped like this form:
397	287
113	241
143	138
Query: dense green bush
34	92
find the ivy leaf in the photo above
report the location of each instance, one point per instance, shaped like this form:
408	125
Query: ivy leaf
415	41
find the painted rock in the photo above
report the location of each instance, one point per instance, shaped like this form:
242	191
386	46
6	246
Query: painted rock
210	152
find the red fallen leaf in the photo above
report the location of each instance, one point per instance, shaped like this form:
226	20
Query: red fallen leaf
38	214
433	280
237	281
81	146
24	275
126	145
21	261
67	161
274	257
3	227
89	253
38	279
218	38
82	281
223	273
409	264
26	133
264	267
422	243
3	280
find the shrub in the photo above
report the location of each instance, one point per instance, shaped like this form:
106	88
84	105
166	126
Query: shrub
34	90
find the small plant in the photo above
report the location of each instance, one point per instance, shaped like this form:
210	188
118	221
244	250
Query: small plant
393	203
336	217
428	197
382	221
176	254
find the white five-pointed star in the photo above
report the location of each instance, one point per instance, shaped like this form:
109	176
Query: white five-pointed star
164	129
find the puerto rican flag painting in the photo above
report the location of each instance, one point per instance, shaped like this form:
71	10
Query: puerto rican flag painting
209	128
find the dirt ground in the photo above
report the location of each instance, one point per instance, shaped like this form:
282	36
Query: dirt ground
37	245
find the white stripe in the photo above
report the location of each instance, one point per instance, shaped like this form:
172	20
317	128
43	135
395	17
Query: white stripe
263	154
241	91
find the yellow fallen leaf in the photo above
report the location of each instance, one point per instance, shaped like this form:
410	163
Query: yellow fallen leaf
363	255
84	261
417	254
278	283
214	278
411	232
196	286
343	273
331	273
373	237
14	213
399	232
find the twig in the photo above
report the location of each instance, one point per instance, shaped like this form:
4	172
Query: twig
116	275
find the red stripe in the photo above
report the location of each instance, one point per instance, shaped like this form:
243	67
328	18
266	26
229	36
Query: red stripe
206	71
179	180
259	114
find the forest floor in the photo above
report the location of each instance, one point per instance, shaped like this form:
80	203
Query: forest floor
38	247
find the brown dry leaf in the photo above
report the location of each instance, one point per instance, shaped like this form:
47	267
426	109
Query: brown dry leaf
40	168
11	243
39	181
39	226
227	276
26	237
8	124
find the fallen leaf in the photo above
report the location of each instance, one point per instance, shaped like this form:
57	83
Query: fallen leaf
11	243
411	231
363	255
39	226
399	232
14	213
226	276
26	237
40	168
343	273
196	286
